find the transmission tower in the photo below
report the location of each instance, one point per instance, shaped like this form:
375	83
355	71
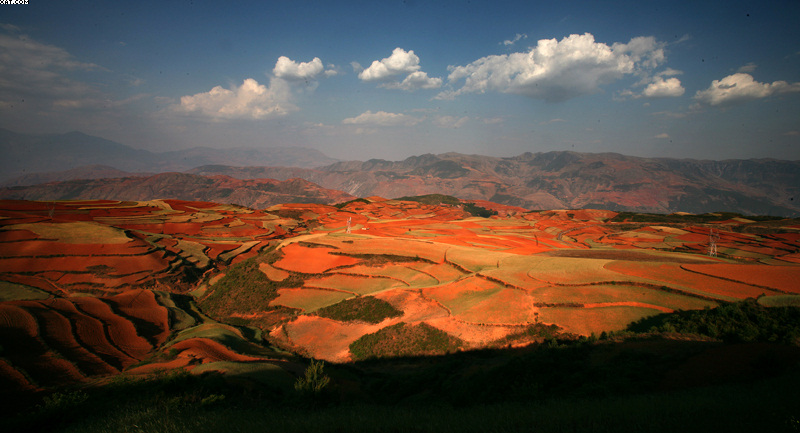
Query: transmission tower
713	237
348	224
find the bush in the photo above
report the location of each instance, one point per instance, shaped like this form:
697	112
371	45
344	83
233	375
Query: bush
404	340
364	309
314	382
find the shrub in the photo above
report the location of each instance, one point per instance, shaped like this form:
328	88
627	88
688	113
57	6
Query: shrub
404	340
364	309
314	381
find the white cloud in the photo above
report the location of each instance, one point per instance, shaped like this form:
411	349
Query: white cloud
451	121
251	100
381	118
661	88
389	70
557	70
288	69
415	80
515	40
739	88
400	62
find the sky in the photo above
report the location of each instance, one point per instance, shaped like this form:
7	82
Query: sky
392	79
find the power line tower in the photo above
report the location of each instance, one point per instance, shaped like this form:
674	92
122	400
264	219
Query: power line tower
713	237
348	224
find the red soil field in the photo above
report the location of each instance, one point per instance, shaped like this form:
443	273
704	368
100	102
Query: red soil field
121	331
52	248
628	304
298	258
142	305
209	351
782	278
673	274
17	236
12	381
58	333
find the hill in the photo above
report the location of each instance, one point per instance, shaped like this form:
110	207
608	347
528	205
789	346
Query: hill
255	193
565	180
49	155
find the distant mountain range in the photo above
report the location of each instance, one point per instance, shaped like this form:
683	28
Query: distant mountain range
551	180
565	180
26	154
256	193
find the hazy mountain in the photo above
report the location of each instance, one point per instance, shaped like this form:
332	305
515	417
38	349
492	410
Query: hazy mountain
558	180
52	155
84	172
255	193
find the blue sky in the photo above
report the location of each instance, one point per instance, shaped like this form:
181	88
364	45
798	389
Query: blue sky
373	79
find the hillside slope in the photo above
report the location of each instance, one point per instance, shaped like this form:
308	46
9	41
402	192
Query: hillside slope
259	194
558	180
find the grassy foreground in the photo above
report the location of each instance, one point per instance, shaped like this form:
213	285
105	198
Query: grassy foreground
185	404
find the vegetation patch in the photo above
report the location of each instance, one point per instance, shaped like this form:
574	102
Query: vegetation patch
403	339
244	289
745	321
362	309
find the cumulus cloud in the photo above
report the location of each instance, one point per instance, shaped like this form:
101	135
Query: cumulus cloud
381	118
739	88
288	69
250	100
415	80
557	70
661	88
389	70
400	62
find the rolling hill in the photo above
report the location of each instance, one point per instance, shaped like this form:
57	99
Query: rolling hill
565	180
254	193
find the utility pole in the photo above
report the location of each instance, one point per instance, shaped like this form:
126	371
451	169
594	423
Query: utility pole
713	237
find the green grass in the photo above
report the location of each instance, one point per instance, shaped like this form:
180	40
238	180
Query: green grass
245	289
404	340
75	232
780	301
16	292
362	309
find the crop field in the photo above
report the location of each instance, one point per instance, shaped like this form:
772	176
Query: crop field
91	289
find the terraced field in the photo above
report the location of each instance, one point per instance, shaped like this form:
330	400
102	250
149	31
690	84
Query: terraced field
485	282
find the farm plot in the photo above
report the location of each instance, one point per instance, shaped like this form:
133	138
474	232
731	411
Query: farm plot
673	275
431	251
616	293
302	259
568	270
400	272
585	321
75	232
352	283
308	299
781	278
478	300
475	259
